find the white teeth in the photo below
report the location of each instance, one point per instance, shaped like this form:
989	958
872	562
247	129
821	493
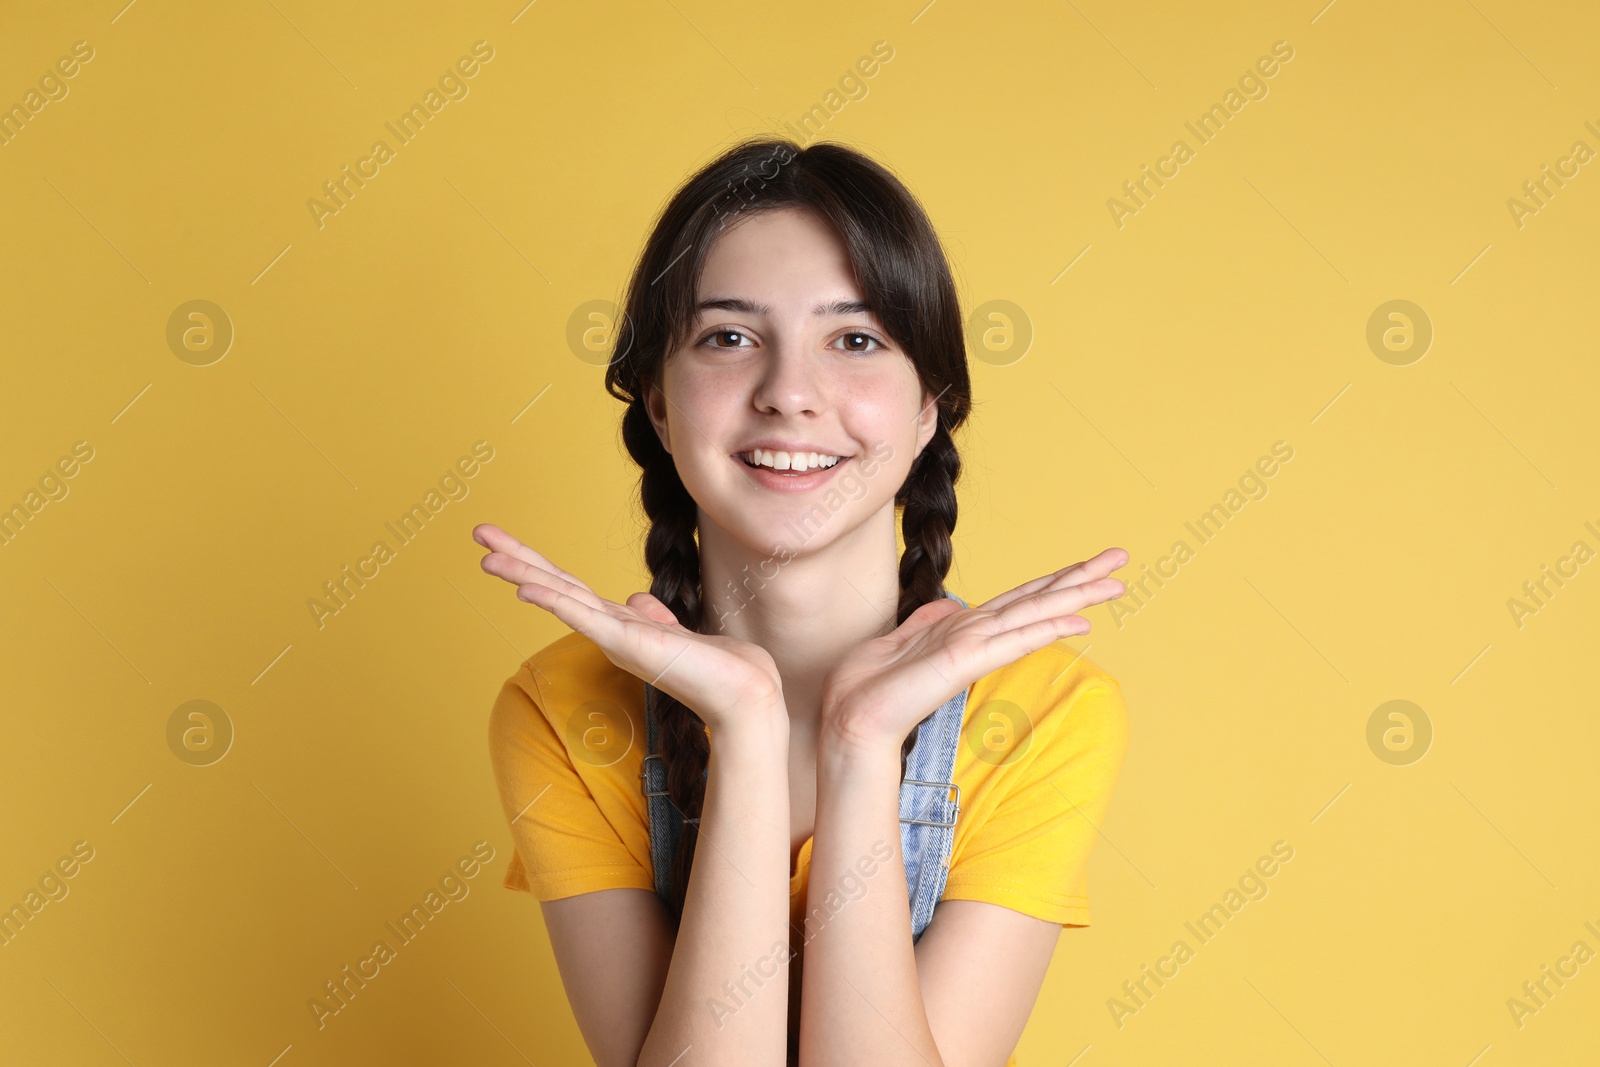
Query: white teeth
796	461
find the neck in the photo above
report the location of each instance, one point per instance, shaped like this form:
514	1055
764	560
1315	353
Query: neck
806	606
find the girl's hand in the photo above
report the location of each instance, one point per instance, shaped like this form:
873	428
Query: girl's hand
721	678
880	690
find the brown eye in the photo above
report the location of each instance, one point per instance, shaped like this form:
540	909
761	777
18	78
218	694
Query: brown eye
859	342
716	335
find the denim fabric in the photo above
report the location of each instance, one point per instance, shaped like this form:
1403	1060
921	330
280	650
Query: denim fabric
927	809
925	794
666	821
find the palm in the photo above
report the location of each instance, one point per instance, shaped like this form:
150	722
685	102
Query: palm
884	687
915	668
715	675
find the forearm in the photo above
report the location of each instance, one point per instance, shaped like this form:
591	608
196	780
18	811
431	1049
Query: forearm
861	1001
726	992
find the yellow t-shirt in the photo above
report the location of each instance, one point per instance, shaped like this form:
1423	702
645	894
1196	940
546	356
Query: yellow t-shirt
1041	749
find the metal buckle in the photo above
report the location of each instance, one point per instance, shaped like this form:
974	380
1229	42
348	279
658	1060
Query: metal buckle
947	786
644	777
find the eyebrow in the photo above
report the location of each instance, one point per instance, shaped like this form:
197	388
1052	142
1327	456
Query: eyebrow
750	307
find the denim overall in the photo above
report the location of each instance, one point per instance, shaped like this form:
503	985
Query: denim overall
927	811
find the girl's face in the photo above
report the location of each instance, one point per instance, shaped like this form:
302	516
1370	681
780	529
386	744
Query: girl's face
785	361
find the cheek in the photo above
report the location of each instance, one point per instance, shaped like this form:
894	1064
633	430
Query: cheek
881	418
885	396
701	407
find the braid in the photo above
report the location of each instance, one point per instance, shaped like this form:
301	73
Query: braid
929	500
929	497
906	281
673	557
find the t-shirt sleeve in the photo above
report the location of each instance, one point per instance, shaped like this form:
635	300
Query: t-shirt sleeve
1031	853
563	842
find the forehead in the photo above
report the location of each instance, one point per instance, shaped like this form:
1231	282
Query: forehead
789	260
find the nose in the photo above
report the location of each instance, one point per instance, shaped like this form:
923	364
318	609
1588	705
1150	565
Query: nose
790	383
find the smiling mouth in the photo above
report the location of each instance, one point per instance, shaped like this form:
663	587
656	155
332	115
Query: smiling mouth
791	463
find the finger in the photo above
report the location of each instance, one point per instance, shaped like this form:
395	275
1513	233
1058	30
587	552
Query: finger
1010	595
926	615
1066	578
1012	645
1060	602
639	646
1097	566
495	539
1073	574
651	608
518	564
1112	559
593	622
519	573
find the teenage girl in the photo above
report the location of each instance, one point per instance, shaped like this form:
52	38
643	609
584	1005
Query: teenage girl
791	355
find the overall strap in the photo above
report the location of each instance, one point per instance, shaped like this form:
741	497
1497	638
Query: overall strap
927	808
666	821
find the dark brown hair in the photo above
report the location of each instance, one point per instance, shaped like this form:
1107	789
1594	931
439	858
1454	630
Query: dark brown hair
905	279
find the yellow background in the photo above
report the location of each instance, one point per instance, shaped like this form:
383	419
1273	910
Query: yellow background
369	354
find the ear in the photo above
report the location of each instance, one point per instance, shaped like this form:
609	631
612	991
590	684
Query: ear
655	405
927	422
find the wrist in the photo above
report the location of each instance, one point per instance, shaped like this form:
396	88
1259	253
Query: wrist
846	739
851	769
762	725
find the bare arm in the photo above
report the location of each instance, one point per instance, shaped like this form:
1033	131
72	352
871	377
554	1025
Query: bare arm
612	948
861	1001
959	998
864	999
981	968
720	993
724	997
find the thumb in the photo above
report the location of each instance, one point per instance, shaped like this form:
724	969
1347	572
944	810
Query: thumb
651	608
928	614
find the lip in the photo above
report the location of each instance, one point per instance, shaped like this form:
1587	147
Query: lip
788	483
